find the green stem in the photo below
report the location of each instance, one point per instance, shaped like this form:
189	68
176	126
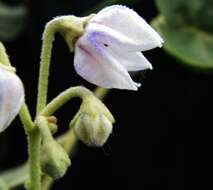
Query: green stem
46	52
63	98
42	124
34	138
33	148
34	141
26	118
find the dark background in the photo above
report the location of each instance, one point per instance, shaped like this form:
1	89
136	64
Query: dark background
168	117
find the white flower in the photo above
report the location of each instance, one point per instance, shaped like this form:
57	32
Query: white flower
111	46
11	96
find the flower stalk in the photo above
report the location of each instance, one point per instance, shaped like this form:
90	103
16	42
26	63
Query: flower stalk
70	27
64	97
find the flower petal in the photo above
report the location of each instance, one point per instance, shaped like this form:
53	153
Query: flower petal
129	23
112	38
132	61
11	97
97	66
120	47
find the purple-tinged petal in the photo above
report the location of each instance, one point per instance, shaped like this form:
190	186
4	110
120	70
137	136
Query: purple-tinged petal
11	97
97	66
120	47
129	23
113	38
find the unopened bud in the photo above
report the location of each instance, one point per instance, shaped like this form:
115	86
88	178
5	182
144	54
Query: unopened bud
93	131
93	123
54	159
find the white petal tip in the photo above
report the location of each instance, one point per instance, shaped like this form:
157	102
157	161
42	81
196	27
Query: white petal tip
137	85
160	41
160	44
134	87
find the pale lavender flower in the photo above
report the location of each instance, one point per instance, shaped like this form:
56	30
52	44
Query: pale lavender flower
11	96
111	46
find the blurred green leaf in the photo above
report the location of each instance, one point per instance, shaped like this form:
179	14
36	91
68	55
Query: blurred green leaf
187	29
12	21
192	12
191	45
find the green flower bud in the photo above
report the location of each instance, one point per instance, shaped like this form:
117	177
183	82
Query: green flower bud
54	159
93	123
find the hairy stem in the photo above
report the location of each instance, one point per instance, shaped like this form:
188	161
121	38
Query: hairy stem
34	139
63	98
26	118
46	52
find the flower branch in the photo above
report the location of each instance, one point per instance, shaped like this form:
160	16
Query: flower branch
64	97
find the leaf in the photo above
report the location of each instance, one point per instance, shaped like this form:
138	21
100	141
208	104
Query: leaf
191	45
198	13
12	21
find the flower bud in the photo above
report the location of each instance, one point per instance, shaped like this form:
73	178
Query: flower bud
11	96
93	123
93	131
54	159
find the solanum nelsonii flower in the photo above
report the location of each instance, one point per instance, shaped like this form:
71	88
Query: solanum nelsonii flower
111	46
11	96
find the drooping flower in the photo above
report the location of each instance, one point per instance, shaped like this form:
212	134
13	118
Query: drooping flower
111	46
11	96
